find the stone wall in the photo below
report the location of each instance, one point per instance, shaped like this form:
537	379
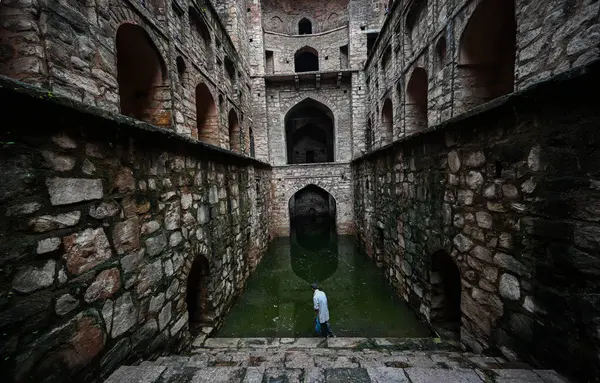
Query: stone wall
327	44
281	98
334	178
103	219
550	37
282	16
70	49
511	194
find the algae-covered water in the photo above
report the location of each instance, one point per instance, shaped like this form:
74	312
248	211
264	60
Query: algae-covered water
277	301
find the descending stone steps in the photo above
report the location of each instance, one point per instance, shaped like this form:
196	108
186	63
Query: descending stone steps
339	360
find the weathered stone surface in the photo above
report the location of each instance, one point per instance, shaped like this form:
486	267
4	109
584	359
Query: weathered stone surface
64	191
156	245
85	250
124	181
454	161
509	287
48	245
484	220
59	162
164	317
125	315
48	223
126	236
24	209
65	304
475	159
463	243
104	209
106	284
149	276
34	278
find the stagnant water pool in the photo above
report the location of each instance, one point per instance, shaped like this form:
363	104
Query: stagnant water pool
277	301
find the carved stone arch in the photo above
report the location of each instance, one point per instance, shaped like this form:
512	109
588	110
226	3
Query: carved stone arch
314	182
316	120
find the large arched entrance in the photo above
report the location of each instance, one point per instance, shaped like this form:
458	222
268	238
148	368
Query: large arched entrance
199	307
445	293
309	128
313	234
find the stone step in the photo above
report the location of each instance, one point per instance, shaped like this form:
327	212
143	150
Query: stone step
166	374
333	358
414	344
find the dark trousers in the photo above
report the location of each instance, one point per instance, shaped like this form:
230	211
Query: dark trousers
326	329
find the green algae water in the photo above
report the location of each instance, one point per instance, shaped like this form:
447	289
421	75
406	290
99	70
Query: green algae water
277	301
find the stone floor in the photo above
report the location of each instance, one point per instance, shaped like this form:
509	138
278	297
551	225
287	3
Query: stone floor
338	360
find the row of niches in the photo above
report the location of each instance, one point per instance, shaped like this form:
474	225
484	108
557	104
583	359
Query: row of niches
195	32
444	82
145	93
306	59
299	17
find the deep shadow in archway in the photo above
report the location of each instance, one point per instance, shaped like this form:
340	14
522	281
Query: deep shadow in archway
445	294
314	254
309	133
198	305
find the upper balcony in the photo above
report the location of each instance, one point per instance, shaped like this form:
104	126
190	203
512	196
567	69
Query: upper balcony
319	52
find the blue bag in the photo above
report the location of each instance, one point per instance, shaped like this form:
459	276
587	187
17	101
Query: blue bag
317	326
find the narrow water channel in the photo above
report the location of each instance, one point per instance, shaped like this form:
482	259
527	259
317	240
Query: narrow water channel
277	301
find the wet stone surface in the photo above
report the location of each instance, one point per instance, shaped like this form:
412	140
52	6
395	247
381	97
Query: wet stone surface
244	361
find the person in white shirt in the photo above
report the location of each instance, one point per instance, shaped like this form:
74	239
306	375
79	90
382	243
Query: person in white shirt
322	311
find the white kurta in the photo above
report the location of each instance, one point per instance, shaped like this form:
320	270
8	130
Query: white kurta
320	302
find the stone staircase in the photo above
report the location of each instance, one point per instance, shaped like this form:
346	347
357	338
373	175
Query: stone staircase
337	360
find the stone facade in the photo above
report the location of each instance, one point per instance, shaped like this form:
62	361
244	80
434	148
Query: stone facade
508	194
334	178
103	220
432	43
72	50
425	154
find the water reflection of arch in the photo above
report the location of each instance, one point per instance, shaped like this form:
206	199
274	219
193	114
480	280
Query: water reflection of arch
313	238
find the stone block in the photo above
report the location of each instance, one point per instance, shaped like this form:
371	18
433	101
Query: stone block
64	191
86	250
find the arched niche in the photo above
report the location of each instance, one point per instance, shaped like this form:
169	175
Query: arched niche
309	129
141	75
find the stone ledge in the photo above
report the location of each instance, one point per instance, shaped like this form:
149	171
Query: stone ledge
15	94
581	80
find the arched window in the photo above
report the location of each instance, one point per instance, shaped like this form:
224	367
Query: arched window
251	136
415	24
180	69
306	60
487	54
201	34
387	120
416	100
141	76
234	132
206	116
304	27
440	54
369	135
